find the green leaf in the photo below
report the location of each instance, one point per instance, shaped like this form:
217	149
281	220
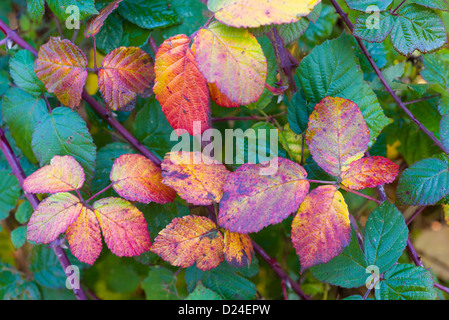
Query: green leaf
385	236
4	81
22	113
424	182
193	14
148	14
8	281
315	14
105	159
122	278
203	293
18	236
46	268
224	280
347	270
322	29
64	132
417	28
406	282
160	284
272	72
362	5
298	112
22	72
152	128
436	73
371	30
36	9
24	212
9	192
59	8
331	69
111	34
434	4
444	132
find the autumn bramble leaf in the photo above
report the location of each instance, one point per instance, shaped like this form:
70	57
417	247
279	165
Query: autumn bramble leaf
197	178
337	134
84	237
61	66
188	240
52	217
180	87
219	98
255	13
369	173
125	73
252	201
61	175
321	228
94	25
238	249
232	59
137	178
124	227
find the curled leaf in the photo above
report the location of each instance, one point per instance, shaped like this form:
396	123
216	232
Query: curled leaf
188	240
137	178
61	66
196	177
61	175
94	25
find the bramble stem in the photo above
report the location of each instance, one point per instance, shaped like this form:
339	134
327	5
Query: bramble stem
382	79
360	194
20	175
397	8
95	52
100	192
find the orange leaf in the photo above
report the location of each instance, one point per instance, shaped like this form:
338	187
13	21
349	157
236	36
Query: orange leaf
252	201
255	13
238	249
137	178
219	98
233	60
52	217
197	178
94	25
180	87
337	134
124	227
321	228
84	237
189	239
369	173
61	66
61	175
126	73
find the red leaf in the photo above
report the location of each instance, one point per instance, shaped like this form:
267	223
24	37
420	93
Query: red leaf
94	25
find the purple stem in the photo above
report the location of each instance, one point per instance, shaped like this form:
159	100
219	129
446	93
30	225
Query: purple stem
20	175
398	100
